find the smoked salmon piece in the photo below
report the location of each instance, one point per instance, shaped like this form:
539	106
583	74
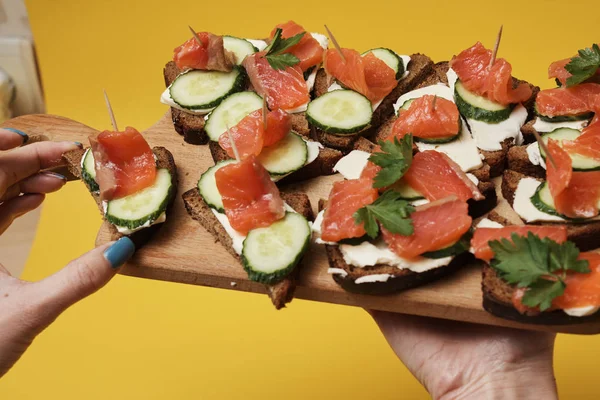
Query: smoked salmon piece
558	71
495	82
366	75
250	198
573	100
250	136
436	176
308	50
211	55
583	289
424	121
345	198
436	225
482	237
587	144
124	163
575	194
285	89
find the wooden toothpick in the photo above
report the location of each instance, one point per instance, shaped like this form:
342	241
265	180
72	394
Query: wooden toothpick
195	36
265	110
433	102
335	43
495	52
233	146
543	147
113	121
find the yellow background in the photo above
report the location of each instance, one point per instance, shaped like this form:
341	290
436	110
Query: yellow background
140	339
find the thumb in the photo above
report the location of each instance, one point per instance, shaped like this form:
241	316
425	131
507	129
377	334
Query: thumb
83	276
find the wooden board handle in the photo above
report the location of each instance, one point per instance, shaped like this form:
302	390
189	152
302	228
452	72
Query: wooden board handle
50	127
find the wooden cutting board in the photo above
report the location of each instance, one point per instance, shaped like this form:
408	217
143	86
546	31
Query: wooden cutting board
184	252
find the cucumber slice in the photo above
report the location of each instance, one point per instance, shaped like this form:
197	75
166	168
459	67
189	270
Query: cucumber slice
196	89
88	171
460	246
390	58
579	162
542	200
340	112
239	47
142	207
478	107
207	186
406	192
231	111
270	254
286	156
564	118
406	105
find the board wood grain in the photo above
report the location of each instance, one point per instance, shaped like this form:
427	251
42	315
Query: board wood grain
184	252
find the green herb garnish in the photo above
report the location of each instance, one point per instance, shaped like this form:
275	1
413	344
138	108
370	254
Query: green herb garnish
584	66
391	211
394	159
540	265
275	52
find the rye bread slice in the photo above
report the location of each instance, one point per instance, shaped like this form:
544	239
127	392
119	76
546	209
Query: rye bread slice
585	235
401	279
281	292
518	161
485	186
419	67
322	165
164	159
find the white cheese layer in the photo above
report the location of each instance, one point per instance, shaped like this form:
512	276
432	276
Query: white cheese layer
352	164
337	271
543	126
259	44
581	311
534	155
488	223
166	98
310	81
405	61
523	206
373	278
322	39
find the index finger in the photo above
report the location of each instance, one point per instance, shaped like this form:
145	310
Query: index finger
23	162
11	138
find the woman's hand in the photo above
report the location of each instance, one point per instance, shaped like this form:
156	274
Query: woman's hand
455	360
27	308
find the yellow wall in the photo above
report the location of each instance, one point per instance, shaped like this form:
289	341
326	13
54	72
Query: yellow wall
140	339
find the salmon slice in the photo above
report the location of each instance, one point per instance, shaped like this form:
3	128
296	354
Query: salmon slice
124	163
250	198
345	198
308	50
424	121
482	237
436	225
250	136
575	194
366	75
285	89
211	55
587	144
583	289
574	100
558	71
495	83
436	176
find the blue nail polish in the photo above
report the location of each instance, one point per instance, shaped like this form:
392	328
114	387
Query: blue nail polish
55	175
119	252
18	132
79	144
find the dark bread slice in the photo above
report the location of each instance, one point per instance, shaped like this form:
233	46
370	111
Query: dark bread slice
518	161
485	186
419	67
164	159
401	279
281	292
323	165
586	236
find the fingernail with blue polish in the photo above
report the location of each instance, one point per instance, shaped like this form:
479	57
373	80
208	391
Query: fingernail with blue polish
55	175
18	132
78	144
119	252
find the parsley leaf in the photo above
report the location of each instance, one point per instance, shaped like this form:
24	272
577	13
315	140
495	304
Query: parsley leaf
584	66
540	265
275	52
391	211
394	159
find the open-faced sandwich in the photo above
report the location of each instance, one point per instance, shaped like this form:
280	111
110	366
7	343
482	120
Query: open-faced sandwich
267	231
398	221
532	274
133	184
